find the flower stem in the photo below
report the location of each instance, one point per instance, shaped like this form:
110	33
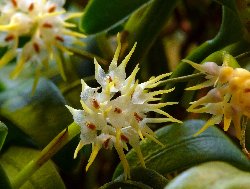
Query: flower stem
181	79
243	138
87	55
51	149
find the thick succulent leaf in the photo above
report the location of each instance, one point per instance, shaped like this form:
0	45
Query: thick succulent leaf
182	150
146	176
15	158
102	14
41	115
4	180
3	133
219	175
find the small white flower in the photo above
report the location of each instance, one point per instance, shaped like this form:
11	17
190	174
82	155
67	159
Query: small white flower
45	23
115	114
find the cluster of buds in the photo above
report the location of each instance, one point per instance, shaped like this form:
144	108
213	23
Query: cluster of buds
115	114
228	100
35	31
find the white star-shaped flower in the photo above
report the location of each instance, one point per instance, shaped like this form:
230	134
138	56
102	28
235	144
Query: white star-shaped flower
115	114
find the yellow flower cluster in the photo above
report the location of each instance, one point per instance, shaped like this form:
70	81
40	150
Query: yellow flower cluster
228	100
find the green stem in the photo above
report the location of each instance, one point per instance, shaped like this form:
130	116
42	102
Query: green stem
181	79
87	55
51	149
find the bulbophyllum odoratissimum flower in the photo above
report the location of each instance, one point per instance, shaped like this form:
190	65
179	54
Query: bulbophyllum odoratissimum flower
115	114
35	31
229	98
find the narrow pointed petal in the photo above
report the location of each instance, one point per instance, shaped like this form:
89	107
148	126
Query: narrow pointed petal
126	59
139	154
85	107
78	148
210	122
121	154
161	92
100	75
95	150
154	139
205	84
237	124
59	63
113	63
19	67
7	57
195	65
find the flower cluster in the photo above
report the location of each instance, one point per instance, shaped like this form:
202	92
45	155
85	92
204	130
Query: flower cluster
115	114
35	31
228	100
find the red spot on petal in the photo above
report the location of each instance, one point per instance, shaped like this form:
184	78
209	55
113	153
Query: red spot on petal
106	143
52	8
47	25
14	3
9	38
36	47
31	7
110	79
247	90
118	110
95	103
91	126
59	38
137	117
124	138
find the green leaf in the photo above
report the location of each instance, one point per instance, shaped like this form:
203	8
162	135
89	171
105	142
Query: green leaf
41	116
15	158
3	134
4	180
229	4
125	185
102	14
182	150
211	175
145	26
146	176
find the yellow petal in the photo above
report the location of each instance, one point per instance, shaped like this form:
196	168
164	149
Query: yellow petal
162	91
159	111
78	148
236	120
74	15
121	154
18	68
153	139
59	63
193	64
75	34
7	57
201	86
85	107
95	150
139	154
211	121
126	59
113	63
